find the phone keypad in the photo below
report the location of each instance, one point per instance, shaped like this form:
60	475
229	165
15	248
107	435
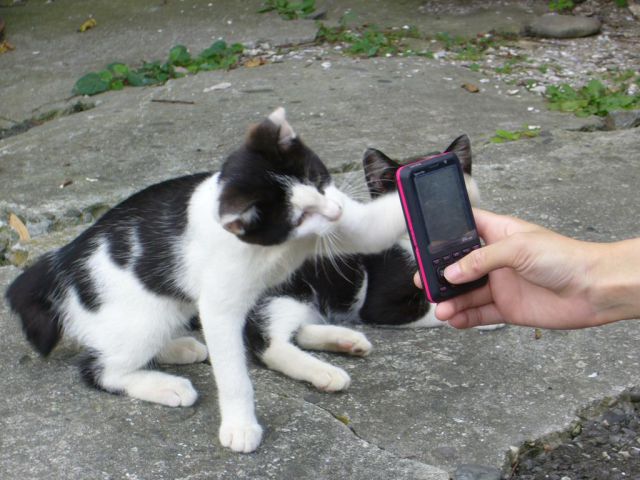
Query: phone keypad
443	262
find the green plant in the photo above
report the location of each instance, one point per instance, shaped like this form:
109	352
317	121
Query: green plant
289	10
592	99
368	40
561	5
621	3
470	49
118	75
503	136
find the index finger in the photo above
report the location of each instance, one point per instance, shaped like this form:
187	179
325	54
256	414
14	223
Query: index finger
493	227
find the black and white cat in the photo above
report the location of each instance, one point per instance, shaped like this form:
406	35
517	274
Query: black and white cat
208	244
325	294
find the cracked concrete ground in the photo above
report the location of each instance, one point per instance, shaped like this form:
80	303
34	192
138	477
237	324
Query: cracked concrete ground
424	401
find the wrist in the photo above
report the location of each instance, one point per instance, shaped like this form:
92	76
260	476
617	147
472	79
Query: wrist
615	281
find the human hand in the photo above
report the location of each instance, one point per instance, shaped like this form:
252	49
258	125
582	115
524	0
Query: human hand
536	278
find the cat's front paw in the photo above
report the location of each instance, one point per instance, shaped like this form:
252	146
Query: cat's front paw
355	344
330	379
240	437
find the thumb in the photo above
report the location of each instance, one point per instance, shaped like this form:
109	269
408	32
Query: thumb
484	260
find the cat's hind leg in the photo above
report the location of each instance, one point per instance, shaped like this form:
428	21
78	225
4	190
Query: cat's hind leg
123	342
332	338
148	385
182	351
282	317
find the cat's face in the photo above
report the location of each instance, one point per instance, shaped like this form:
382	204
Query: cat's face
380	170
274	187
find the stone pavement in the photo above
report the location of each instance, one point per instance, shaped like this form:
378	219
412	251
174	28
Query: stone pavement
425	401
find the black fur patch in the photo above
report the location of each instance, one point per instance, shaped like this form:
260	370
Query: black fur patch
154	218
91	371
255	176
392	298
31	296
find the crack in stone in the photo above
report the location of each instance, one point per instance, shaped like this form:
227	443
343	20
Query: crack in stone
360	437
35	121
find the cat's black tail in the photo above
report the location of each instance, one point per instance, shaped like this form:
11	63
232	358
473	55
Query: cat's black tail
30	297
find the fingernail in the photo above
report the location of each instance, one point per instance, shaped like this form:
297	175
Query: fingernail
453	272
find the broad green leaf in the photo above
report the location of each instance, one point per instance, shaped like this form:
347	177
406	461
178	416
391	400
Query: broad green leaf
217	48
179	55
118	69
90	84
117	85
135	79
105	75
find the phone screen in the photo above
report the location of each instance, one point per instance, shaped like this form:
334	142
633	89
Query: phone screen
443	209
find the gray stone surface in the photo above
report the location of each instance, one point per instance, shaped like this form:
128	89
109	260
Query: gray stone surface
425	401
476	472
622	119
552	25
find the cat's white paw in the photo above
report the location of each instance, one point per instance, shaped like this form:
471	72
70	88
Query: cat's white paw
182	351
332	338
169	390
240	437
354	343
330	379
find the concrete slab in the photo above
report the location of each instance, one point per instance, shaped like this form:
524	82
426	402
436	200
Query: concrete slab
402	106
52	426
424	401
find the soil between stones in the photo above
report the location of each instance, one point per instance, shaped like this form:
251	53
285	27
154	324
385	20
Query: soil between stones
608	447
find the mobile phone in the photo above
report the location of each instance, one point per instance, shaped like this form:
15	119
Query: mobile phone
439	220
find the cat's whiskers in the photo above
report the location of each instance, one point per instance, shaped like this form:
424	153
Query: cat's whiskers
327	248
354	188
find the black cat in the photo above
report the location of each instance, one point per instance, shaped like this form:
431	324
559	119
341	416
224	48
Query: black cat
325	294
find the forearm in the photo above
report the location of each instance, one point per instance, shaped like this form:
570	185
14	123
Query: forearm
615	278
370	227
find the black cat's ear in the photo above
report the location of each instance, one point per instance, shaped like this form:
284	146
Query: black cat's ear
237	212
286	135
272	135
461	146
380	172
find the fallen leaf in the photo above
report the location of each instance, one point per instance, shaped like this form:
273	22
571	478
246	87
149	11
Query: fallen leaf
90	23
538	334
470	87
6	47
255	62
19	227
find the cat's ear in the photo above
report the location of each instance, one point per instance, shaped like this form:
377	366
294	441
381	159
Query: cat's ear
461	146
272	135
286	135
237	212
380	172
